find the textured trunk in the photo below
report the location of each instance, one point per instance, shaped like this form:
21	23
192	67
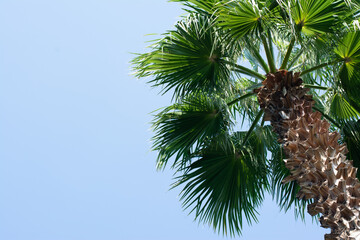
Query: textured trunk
314	156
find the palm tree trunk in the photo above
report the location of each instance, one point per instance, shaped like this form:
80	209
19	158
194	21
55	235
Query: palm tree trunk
314	156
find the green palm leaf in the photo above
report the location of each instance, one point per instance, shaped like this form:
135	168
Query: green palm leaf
224	175
350	80
241	17
351	131
244	107
340	108
227	182
202	6
189	59
285	194
349	52
186	125
349	48
313	17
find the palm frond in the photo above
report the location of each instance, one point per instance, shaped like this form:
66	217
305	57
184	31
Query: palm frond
340	108
349	52
207	7
241	18
284	194
351	133
247	108
350	79
315	17
226	183
183	127
189	59
252	54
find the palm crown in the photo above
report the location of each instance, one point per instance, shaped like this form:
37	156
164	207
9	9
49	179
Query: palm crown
212	61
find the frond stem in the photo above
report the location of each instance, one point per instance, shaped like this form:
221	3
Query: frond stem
268	55
327	117
270	44
257	56
241	98
288	52
318	67
257	85
245	70
296	57
262	121
295	67
317	87
256	121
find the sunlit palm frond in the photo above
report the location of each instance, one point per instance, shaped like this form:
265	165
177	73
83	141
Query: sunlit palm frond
241	18
314	17
349	52
340	108
189	59
349	48
184	126
350	79
207	7
226	183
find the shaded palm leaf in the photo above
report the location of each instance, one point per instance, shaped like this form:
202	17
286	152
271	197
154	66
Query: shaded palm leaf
252	52
184	126
247	107
351	131
227	182
285	194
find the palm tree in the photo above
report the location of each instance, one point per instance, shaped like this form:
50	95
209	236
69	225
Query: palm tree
295	63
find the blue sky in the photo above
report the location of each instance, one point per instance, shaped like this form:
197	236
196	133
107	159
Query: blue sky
75	159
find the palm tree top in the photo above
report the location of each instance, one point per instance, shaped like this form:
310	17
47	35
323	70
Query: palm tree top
211	62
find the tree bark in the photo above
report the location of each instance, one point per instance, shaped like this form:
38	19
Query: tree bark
315	158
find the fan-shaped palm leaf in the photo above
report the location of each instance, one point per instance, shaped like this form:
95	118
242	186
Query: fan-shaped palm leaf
185	125
284	194
202	6
227	181
349	52
241	17
313	17
189	59
341	109
351	131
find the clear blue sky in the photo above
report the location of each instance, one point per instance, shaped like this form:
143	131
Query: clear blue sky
75	162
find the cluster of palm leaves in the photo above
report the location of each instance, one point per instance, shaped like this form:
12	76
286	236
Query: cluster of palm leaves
211	62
